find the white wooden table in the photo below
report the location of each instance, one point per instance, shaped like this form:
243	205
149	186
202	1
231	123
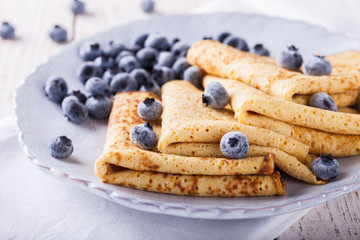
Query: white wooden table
336	219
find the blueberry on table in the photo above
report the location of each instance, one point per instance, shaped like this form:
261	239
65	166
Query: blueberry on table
74	110
317	66
77	7
207	38
129	63
222	36
105	61
215	95
110	73
234	145
147	6
147	57
123	82
179	66
175	40
151	86
166	59
98	106
7	31
143	136
113	48
58	34
56	89
141	76
325	167
96	85
133	48
323	101
61	147
87	70
162	75
194	75
290	58
80	96
150	109
158	42
259	49
236	42
122	54
140	39
90	50
180	49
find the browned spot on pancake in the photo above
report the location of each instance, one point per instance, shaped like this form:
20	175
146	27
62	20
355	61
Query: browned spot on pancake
132	185
153	167
194	187
268	165
178	184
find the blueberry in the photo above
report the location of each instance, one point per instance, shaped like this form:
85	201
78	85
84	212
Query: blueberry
151	86
158	42
80	96
175	40
150	109
77	7
323	101
289	59
134	48
207	38
147	6
317	66
122	54
180	49
215	95
144	136
194	75
110	73
141	76
99	106
163	74
128	63
87	70
7	31
236	42
89	51
74	110
222	36
123	82
58	34
114	48
179	67
56	89
140	40
166	59
61	147
105	61
259	49
96	86
147	57
325	167
234	145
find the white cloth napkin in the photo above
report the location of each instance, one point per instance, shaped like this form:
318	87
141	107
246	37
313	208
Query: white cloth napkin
34	205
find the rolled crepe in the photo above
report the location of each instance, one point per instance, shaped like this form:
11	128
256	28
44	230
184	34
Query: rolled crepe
262	72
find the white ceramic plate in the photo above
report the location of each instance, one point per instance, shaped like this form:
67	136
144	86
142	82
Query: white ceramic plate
39	120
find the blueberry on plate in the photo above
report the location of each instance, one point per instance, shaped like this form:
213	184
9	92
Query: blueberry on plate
166	59
325	167
234	145
162	75
89	51
97	86
98	106
317	66
58	34
128	63
194	75
207	38
180	49
221	37
134	48
105	61
141	76
7	31
158	42
122	54
74	110
77	7
323	101
61	147
80	96
179	67
151	86
147	57
110	73
144	136
215	95
175	40
236	42
123	82
150	109
140	39
147	6
290	58
87	70
259	49
56	89
113	48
